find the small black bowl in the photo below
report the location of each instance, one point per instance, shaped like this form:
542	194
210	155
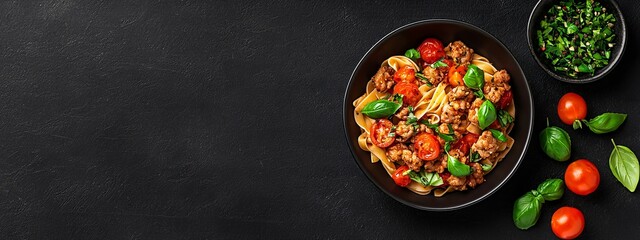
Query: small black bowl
620	30
410	36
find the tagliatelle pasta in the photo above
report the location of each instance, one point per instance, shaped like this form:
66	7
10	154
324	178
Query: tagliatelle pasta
447	120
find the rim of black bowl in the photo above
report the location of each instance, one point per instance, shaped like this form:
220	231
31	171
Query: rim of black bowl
600	73
438	209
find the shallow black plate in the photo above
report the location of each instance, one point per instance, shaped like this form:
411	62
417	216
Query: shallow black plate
410	36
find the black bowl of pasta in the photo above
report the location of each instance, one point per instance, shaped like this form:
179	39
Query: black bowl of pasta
430	111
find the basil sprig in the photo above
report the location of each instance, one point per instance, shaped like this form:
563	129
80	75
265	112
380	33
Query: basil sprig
526	209
413	54
497	134
438	64
426	178
457	168
556	143
604	123
624	166
381	108
474	78
505	118
486	114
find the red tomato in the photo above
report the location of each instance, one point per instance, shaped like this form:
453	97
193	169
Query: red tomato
465	143
431	50
399	179
405	74
380	133
411	94
445	176
571	107
505	100
582	177
567	223
427	146
456	74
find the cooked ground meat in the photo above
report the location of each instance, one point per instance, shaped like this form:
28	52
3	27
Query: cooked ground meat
394	152
462	157
459	102
458	183
404	131
486	145
436	166
460	53
436	75
473	111
403	113
501	77
495	88
424	128
411	160
477	175
384	78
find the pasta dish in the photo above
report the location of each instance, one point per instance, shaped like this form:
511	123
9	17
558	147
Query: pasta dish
437	118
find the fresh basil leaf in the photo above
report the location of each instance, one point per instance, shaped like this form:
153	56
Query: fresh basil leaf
551	189
486	167
381	108
486	114
446	137
497	134
474	156
438	64
505	118
606	122
413	54
624	166
479	94
447	146
429	125
457	168
474	78
398	98
423	79
556	143
526	210
426	179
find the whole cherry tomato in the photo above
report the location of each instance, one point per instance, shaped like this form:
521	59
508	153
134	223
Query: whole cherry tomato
400	179
571	108
431	50
582	177
427	146
410	92
567	223
505	100
379	133
405	74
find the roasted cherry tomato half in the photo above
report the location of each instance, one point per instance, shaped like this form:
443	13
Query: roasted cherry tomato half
567	223
431	50
456	74
505	100
400	179
465	143
582	177
405	74
571	108
380	133
411	94
427	146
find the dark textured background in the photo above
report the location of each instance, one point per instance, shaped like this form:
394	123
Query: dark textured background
188	119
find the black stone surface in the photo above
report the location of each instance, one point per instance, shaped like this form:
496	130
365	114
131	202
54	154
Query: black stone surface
222	120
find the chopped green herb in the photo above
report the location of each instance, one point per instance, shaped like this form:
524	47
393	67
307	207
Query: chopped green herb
438	64
576	37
